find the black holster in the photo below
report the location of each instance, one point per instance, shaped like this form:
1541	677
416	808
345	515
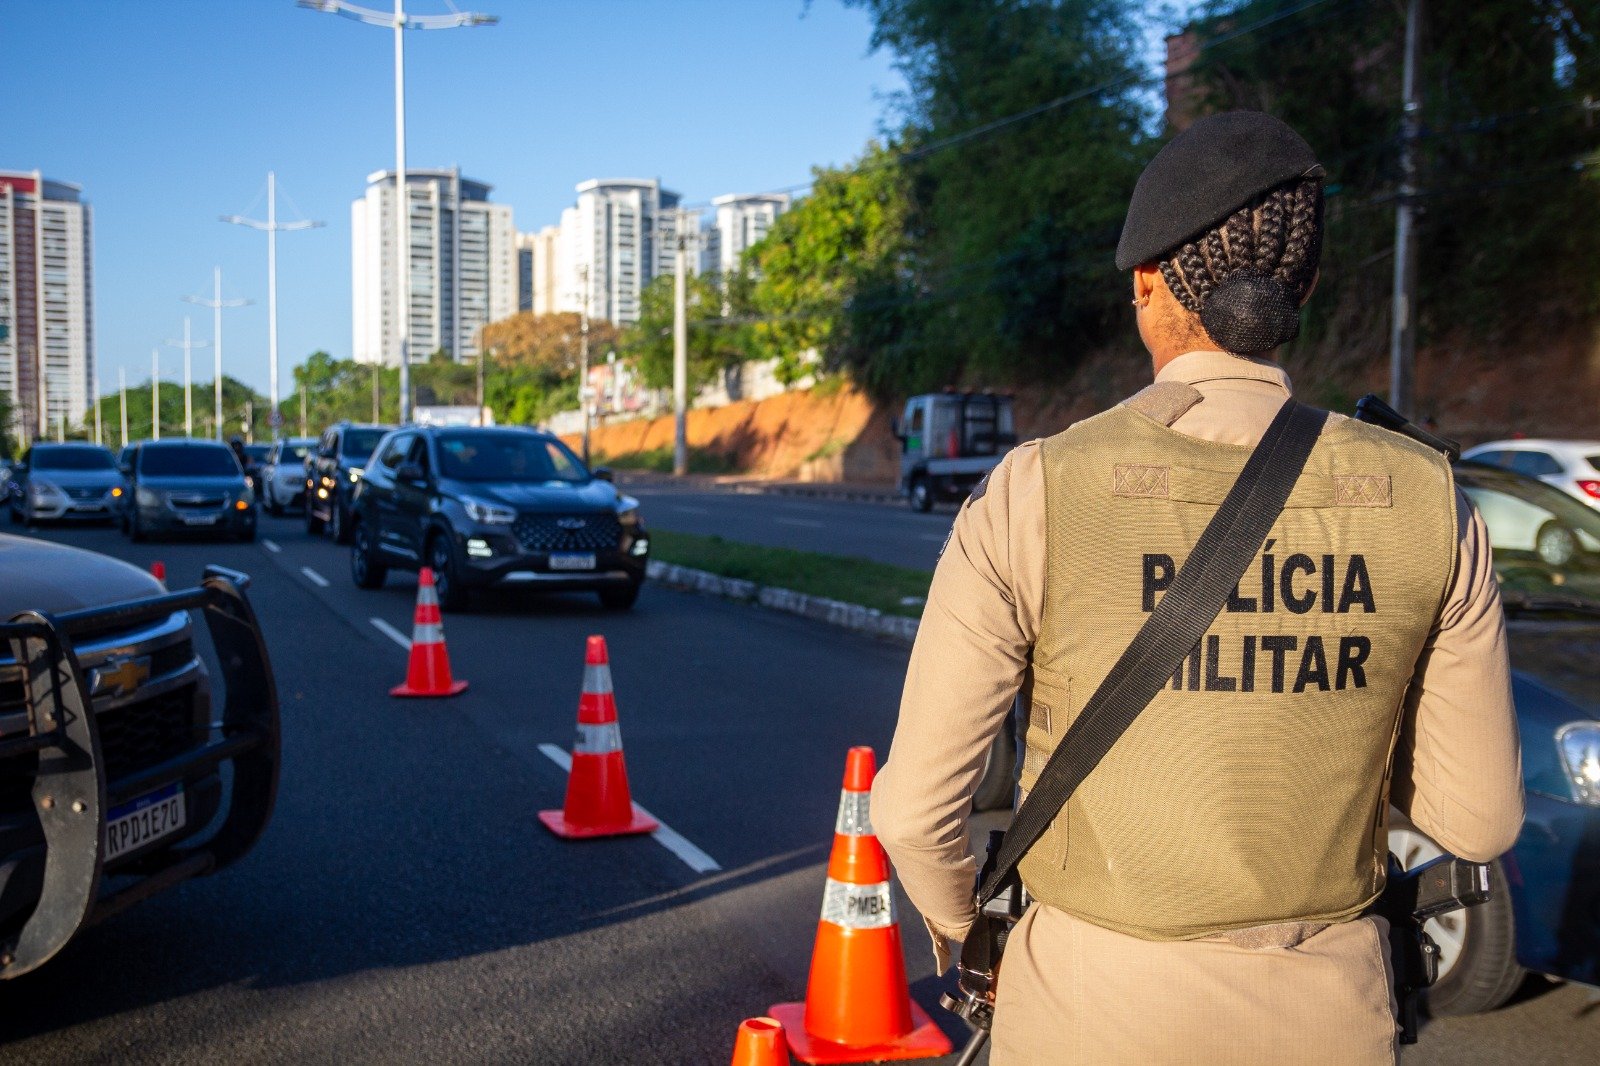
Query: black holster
1410	898
978	969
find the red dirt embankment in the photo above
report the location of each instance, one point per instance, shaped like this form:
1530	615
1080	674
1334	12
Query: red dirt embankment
838	433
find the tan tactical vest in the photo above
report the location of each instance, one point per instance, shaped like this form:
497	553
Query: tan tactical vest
1252	790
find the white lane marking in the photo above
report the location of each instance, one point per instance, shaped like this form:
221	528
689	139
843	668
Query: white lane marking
391	632
688	510
271	546
666	836
806	522
314	577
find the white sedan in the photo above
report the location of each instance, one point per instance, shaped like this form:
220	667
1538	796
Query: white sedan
283	474
1573	466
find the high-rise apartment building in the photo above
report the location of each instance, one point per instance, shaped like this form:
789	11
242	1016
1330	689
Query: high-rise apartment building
46	302
463	265
741	221
616	240
539	274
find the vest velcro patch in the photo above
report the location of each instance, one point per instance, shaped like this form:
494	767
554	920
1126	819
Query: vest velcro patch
1139	479
1362	490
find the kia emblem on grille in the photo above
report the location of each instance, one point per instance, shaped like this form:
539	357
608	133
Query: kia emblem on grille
571	523
120	676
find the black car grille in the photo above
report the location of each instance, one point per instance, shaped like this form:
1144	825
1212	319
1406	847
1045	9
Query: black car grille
196	503
86	494
567	533
148	732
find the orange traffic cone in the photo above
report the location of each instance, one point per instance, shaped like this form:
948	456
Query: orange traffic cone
598	803
428	671
858	1007
760	1043
158	570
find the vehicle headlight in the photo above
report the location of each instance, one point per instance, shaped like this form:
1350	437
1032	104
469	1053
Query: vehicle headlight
1579	746
42	490
490	514
147	497
356	472
627	510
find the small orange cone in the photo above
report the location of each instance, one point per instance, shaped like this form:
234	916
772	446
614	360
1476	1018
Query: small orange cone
158	570
598	803
760	1043
428	671
858	1007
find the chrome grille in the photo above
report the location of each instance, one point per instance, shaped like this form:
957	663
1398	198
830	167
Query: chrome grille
563	533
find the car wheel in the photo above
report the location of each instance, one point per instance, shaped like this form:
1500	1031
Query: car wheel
339	524
921	495
365	570
997	787
452	597
1478	968
1556	544
620	599
313	523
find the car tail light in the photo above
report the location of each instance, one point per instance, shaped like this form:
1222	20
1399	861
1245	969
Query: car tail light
1591	488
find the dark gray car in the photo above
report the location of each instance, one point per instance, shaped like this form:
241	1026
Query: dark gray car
188	486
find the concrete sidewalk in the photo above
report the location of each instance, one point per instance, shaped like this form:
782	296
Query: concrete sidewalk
735	483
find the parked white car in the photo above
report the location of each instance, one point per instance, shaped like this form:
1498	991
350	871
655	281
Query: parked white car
1573	466
283	474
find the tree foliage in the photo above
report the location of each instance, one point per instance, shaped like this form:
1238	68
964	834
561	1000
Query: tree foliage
715	342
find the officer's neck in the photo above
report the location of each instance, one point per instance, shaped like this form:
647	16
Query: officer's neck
1160	358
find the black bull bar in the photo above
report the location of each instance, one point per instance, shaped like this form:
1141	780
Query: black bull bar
71	793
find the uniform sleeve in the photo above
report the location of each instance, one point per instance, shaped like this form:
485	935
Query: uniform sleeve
1458	769
971	651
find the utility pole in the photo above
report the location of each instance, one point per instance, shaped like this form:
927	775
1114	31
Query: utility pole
272	226
400	22
583	356
155	394
377	383
122	387
481	353
680	347
188	344
1403	318
216	303
97	439
304	432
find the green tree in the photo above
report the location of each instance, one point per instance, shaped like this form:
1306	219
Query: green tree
715	343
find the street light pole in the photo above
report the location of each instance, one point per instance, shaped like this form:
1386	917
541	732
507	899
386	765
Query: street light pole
216	303
155	393
187	344
272	226
122	387
399	22
583	357
97	439
680	348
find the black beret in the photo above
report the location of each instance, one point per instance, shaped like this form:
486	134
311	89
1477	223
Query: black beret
1205	174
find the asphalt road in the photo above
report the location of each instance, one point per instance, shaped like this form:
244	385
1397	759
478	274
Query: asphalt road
405	904
886	533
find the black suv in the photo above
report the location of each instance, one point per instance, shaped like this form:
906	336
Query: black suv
332	472
502	507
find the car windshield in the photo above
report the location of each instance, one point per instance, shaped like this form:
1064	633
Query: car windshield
71	459
187	460
296	451
493	456
358	443
1546	544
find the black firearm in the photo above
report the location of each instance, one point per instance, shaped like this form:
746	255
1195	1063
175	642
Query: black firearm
1411	898
978	971
1373	410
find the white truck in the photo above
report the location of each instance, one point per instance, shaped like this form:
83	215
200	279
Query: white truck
949	441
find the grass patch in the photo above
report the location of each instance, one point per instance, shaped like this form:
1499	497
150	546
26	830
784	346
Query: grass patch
837	577
659	460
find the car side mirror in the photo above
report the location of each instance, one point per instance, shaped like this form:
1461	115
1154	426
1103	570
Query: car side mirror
603	473
411	473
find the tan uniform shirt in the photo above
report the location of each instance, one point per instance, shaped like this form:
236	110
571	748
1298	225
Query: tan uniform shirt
1074	992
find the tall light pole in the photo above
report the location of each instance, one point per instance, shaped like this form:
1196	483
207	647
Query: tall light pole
272	226
97	439
188	344
216	303
680	346
583	357
155	393
122	387
398	22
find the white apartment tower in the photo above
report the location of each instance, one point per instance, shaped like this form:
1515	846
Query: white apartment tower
741	221
539	273
46	302
616	240
463	266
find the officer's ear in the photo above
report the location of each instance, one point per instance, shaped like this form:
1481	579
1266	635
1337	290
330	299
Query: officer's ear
1145	277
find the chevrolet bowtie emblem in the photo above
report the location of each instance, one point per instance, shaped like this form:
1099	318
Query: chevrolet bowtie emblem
121	676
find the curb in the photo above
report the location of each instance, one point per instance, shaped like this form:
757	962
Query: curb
754	487
850	616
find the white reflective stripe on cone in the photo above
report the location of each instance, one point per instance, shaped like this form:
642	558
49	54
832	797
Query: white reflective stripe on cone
597	739
596	678
855	814
427	633
426	596
858	906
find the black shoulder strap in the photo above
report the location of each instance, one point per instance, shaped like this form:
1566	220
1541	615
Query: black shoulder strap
1195	598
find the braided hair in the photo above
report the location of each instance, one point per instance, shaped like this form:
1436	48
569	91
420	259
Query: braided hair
1247	276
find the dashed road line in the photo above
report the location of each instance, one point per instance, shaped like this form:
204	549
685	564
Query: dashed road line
666	836
271	546
314	577
806	522
391	632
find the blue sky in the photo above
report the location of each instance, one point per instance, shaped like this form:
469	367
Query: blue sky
169	113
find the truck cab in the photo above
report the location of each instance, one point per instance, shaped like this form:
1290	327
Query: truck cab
949	441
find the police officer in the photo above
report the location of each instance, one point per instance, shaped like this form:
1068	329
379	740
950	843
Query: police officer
1201	898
